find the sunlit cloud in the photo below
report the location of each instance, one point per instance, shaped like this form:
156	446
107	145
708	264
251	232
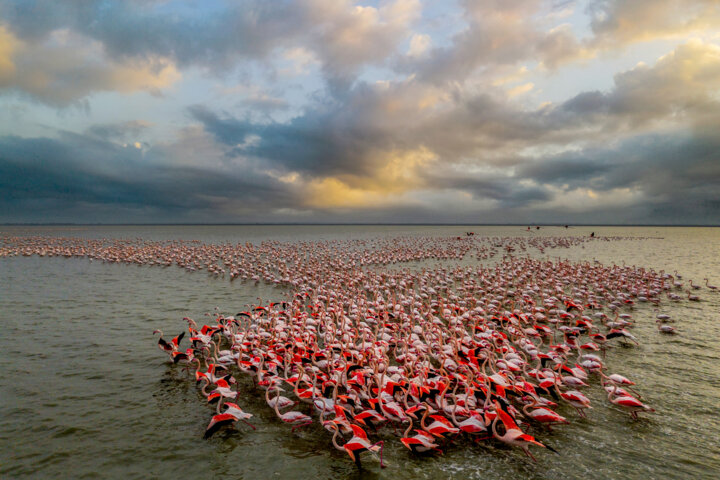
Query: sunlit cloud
8	45
419	44
66	67
399	172
520	89
616	21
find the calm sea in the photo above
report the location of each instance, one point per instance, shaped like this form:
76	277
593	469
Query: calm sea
85	393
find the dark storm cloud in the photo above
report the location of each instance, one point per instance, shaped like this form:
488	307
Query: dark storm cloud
327	140
348	134
682	171
227	130
212	37
118	131
505	190
337	140
583	168
78	171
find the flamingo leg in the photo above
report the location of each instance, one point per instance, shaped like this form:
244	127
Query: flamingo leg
382	445
527	452
635	392
250	424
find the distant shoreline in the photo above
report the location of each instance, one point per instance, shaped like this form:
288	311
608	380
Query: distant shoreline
556	225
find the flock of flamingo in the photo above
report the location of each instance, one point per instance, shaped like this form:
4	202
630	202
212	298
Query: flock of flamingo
422	338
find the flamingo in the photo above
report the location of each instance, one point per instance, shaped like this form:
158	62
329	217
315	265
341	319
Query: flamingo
628	402
185	357
665	328
279	400
341	421
471	425
440	427
294	418
169	347
576	399
221	391
542	414
232	414
422	441
617	380
621	333
358	444
513	436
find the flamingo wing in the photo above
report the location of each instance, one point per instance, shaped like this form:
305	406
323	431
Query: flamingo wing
218	421
176	341
507	420
358	431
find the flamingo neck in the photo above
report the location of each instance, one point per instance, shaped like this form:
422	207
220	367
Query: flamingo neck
409	428
334	440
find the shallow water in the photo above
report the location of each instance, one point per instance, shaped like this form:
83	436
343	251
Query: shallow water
86	393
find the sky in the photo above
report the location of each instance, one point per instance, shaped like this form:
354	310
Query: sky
337	111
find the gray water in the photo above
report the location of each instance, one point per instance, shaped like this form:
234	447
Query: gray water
85	393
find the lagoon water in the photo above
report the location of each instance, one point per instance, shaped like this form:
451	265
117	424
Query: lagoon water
85	393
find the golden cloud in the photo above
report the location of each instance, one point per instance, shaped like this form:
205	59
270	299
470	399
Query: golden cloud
8	44
399	173
520	89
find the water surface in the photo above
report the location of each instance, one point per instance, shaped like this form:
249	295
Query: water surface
86	393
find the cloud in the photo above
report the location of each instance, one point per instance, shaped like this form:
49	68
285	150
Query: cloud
654	173
323	141
341	34
617	22
651	179
346	36
76	177
500	189
335	110
680	87
419	44
498	34
499	153
559	46
65	67
8	46
185	34
400	173
119	131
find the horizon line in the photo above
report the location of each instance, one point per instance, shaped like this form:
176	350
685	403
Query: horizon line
419	224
